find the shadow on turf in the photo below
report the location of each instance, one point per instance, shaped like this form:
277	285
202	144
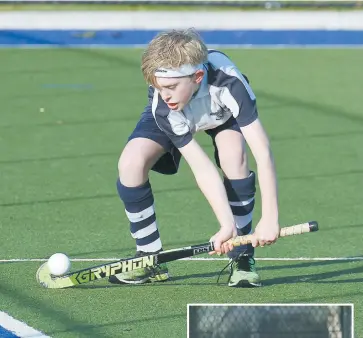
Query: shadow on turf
67	157
70	324
64	123
310	264
308	136
126	323
191	188
81	198
116	153
323	175
317	277
322	109
49	311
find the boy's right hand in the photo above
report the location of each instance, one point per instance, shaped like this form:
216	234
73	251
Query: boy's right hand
220	239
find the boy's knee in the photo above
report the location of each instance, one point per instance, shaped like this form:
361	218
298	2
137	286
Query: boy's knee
136	160
131	165
234	167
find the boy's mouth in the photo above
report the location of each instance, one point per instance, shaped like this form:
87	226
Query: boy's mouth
172	105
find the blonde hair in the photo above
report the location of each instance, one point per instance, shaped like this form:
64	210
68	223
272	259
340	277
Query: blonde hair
172	49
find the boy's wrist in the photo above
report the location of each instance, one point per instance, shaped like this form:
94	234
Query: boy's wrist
270	211
271	216
228	225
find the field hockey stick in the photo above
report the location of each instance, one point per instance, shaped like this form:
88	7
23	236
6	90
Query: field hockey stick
87	275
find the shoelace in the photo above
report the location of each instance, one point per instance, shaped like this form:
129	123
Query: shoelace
233	260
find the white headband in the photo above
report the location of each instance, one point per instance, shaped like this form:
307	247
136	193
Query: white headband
184	70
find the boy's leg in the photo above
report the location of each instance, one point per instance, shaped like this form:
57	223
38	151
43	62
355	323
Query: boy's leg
241	197
240	194
239	181
135	191
147	148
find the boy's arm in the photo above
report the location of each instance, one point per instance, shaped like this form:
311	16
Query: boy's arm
238	96
259	144
210	183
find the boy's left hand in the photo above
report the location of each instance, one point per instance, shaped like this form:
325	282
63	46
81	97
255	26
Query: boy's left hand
221	238
266	233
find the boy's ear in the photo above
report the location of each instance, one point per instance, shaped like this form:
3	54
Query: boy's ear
199	76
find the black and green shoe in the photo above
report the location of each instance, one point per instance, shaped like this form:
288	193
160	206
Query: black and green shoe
155	273
243	272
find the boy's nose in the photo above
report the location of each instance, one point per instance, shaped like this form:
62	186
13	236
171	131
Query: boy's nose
166	98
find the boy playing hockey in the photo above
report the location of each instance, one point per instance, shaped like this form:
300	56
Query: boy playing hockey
194	89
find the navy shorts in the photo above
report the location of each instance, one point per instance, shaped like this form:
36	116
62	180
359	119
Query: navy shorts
168	164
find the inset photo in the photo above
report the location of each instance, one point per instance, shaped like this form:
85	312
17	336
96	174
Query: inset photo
270	321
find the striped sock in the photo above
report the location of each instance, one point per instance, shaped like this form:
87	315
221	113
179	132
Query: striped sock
139	208
241	196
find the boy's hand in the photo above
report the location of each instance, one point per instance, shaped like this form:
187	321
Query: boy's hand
220	239
266	233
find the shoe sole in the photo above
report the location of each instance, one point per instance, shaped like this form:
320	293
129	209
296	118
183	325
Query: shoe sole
244	284
159	278
125	281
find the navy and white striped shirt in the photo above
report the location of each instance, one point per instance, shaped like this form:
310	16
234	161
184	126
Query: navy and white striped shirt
223	93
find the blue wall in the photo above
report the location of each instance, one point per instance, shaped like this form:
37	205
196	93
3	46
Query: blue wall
215	37
4	333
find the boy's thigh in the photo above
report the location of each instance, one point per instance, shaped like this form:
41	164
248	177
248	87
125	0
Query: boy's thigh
230	149
140	153
146	128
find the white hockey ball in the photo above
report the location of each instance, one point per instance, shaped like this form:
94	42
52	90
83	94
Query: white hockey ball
59	264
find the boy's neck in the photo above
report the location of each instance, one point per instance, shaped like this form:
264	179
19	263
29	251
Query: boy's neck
196	90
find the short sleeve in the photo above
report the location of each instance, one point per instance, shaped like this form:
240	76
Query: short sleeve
238	96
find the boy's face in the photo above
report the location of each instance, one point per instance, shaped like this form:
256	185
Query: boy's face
177	91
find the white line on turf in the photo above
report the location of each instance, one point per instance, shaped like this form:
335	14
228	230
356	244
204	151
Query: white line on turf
19	328
358	258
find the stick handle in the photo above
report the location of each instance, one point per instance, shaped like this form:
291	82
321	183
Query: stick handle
297	229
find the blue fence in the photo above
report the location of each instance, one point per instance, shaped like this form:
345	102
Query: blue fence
124	38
